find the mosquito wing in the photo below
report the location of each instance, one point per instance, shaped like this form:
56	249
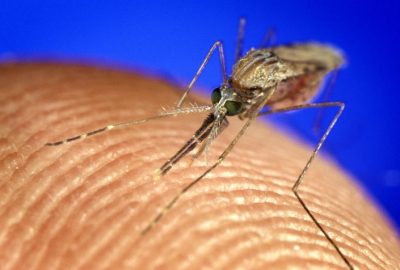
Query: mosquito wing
303	68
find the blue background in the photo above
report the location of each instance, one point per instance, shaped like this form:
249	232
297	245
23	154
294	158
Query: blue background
172	37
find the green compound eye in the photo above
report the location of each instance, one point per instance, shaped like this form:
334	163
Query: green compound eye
233	107
216	96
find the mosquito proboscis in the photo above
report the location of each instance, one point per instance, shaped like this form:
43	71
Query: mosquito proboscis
282	78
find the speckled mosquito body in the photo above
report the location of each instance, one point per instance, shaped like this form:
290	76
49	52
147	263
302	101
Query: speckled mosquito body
263	77
282	78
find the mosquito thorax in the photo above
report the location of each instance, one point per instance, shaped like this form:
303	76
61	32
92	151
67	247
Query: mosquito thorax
225	98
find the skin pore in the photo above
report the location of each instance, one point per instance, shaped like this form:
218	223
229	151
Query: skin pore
83	205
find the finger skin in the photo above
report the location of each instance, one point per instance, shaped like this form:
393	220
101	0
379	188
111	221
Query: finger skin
83	205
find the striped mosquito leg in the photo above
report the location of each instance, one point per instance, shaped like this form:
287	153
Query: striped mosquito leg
82	136
197	138
188	110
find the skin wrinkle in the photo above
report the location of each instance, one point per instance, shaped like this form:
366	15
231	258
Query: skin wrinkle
11	136
125	203
226	211
44	262
100	198
112	220
286	262
6	148
46	232
267	240
8	165
25	110
97	260
228	233
34	189
162	230
290	263
210	243
69	154
275	250
18	100
214	246
91	250
39	204
250	213
336	210
199	216
153	201
103	257
344	223
86	196
91	216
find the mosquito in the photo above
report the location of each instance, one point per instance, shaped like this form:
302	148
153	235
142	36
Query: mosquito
280	78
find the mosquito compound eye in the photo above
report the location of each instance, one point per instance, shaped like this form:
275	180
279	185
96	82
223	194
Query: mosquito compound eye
233	107
216	96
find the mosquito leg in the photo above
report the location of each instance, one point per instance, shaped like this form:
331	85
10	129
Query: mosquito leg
327	94
218	45
197	138
299	180
269	38
194	182
164	114
239	40
206	143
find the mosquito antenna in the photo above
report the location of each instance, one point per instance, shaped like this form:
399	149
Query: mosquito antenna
240	38
164	114
269	38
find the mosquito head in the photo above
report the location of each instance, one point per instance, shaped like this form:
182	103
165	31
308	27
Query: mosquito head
226	101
